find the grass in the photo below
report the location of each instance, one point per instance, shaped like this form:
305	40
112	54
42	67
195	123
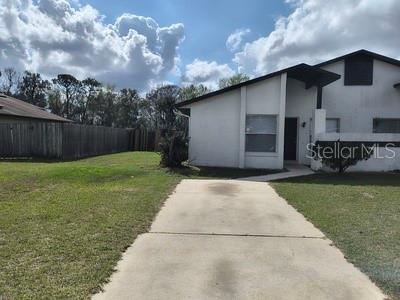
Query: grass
360	213
64	225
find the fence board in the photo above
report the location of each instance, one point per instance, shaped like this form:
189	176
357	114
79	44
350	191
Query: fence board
71	141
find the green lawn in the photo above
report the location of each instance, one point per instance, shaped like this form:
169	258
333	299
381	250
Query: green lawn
63	226
360	213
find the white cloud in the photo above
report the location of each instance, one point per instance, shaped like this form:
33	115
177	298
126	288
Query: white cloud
205	72
318	30
56	36
235	39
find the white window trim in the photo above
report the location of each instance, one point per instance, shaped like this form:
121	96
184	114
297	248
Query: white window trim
338	123
260	154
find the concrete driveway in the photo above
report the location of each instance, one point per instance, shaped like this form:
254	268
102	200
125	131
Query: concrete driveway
226	239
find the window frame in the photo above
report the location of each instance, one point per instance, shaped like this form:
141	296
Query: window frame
355	73
266	133
385	119
338	125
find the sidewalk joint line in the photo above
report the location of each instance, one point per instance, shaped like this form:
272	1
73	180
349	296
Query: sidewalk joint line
239	235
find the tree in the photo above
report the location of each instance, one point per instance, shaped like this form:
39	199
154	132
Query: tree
235	79
105	108
173	127
193	91
54	102
128	109
9	81
33	89
160	104
70	88
90	89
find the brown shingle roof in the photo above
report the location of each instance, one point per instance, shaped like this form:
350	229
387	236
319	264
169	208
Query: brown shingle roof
13	107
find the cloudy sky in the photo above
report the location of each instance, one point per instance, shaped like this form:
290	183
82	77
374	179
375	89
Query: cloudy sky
142	43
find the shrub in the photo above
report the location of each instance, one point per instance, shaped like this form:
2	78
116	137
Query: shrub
339	155
174	148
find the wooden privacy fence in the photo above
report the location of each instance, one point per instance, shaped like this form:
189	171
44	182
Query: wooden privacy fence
144	140
70	141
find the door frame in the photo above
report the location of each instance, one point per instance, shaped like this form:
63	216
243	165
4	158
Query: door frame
297	138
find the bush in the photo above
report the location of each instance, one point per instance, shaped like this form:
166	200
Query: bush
174	148
339	155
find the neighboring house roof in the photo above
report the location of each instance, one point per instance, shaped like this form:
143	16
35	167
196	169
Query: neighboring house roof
10	106
397	85
312	76
374	55
304	73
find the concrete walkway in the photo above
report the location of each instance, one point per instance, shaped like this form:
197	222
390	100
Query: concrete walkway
293	170
230	239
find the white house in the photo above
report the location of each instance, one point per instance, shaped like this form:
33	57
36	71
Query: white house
263	122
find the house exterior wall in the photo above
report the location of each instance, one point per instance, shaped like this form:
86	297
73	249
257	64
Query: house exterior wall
266	98
217	126
357	106
383	159
214	131
300	104
376	164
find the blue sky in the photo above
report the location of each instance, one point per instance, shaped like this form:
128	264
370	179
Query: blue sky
144	43
208	23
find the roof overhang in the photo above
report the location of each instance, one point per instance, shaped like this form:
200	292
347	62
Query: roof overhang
310	75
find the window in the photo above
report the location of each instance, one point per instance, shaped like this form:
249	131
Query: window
332	125
358	70
386	126
260	133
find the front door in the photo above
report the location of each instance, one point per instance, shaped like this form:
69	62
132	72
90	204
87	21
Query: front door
290	148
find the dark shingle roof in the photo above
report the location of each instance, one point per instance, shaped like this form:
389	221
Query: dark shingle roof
374	55
10	106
